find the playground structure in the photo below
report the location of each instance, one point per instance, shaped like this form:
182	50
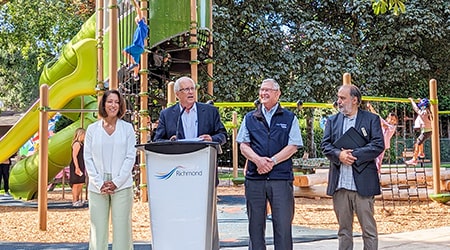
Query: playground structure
175	27
175	48
73	79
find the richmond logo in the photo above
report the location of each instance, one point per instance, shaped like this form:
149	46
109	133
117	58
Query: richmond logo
178	171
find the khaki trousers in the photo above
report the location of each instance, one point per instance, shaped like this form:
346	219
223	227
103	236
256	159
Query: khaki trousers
346	203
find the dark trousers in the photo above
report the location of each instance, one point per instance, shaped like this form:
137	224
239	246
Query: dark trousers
4	175
280	195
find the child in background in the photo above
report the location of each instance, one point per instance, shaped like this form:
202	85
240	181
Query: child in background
77	176
134	51
388	126
422	122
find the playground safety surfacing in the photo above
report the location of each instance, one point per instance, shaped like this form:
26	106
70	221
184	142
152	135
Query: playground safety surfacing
232	219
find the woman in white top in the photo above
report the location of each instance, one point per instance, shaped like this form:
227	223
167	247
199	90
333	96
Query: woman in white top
109	155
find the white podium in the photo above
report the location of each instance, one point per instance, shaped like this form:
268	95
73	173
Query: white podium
181	178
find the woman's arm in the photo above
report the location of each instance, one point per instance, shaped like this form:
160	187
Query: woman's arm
75	150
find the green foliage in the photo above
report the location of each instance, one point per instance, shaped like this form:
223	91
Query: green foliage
32	33
382	6
308	45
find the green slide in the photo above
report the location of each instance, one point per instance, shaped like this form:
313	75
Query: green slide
74	75
64	93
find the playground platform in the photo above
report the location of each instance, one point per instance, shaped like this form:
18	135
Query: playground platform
233	224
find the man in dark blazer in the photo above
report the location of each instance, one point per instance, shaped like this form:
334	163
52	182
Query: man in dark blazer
189	119
353	179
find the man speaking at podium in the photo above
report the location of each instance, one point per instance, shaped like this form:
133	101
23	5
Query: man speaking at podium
191	120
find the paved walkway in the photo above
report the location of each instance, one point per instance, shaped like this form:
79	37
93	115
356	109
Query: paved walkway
234	236
432	239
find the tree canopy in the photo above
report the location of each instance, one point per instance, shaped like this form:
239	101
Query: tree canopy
305	45
308	45
31	34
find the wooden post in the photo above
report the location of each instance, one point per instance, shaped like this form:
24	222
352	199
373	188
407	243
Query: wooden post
346	79
100	36
170	93
63	183
435	144
210	67
144	117
43	157
113	58
193	44
235	145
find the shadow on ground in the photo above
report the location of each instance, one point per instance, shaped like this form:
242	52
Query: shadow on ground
231	214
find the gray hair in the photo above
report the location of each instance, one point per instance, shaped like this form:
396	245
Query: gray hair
176	86
354	92
275	83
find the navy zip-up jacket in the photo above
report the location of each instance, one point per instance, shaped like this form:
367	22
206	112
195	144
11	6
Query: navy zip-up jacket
268	140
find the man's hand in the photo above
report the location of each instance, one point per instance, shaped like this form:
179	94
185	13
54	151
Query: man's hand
205	137
346	157
264	165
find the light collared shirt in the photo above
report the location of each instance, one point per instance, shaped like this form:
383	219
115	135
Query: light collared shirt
346	180
190	122
295	136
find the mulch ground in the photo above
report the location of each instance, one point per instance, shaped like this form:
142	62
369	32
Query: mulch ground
21	224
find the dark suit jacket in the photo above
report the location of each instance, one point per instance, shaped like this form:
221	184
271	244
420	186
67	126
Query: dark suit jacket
208	123
364	169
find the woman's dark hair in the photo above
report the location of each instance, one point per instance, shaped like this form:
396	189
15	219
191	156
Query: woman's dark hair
122	105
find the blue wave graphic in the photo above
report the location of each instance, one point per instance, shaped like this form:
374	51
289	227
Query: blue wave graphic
165	176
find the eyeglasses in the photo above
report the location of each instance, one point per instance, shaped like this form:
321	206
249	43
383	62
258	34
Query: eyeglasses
267	90
187	90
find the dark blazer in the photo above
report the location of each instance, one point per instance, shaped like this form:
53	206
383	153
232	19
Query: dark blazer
208	123
364	169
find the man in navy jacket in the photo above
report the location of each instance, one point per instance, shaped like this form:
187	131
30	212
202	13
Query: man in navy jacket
268	138
353	179
189	119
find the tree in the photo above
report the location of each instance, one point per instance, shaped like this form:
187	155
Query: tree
31	34
308	45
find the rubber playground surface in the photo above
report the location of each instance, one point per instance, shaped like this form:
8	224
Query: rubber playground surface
231	216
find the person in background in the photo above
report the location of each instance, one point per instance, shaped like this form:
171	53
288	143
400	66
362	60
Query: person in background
4	174
134	51
422	123
77	176
189	119
388	126
268	137
109	156
353	179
